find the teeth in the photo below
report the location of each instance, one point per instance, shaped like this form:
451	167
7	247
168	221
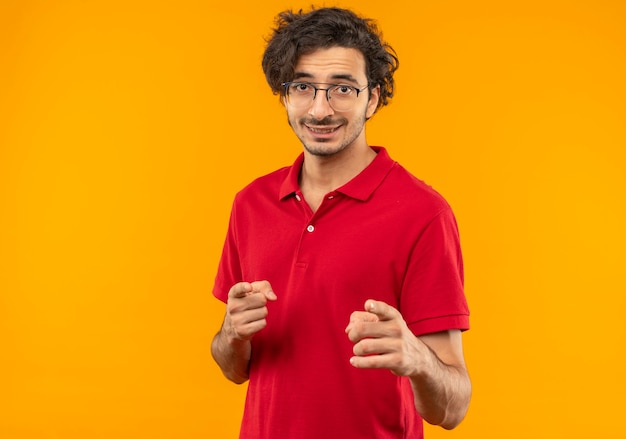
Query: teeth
322	131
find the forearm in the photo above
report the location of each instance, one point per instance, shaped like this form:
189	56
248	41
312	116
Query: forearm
442	393
245	316
232	356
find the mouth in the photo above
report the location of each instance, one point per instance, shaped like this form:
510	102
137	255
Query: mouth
322	130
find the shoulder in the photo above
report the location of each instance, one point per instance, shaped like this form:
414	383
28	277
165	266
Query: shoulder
405	187
397	183
267	184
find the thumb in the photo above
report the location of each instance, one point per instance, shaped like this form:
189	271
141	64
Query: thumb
265	288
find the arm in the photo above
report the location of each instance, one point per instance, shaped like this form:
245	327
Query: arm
246	311
443	391
434	363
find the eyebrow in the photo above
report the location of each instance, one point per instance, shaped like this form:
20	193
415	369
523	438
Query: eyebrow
344	76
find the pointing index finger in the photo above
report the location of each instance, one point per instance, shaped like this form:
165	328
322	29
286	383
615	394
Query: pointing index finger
380	309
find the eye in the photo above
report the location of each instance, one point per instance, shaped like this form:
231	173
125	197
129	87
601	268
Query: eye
342	90
301	87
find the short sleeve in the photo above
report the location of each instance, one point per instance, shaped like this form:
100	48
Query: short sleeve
433	297
229	268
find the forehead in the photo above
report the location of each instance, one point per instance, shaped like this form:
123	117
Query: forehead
324	65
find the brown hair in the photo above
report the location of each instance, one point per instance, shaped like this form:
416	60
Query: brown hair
298	33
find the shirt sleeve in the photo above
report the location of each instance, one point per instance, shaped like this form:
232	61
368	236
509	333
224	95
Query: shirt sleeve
229	268
433	297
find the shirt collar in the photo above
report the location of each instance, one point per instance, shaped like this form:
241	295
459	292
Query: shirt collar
360	187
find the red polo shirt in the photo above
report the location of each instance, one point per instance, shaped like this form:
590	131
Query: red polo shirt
384	235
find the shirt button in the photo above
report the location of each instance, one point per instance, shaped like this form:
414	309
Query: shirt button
310	228
298	197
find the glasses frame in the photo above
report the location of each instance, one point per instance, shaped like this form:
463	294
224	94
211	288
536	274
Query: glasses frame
327	90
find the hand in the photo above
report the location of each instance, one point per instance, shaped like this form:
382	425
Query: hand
246	309
384	341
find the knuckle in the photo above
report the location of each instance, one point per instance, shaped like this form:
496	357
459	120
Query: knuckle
396	331
260	285
363	347
359	328
366	346
355	334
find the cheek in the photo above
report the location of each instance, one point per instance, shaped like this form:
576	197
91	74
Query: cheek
291	119
293	116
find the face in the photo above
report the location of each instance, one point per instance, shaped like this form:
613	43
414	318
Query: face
322	130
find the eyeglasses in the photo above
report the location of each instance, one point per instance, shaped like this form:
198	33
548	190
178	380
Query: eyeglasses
340	97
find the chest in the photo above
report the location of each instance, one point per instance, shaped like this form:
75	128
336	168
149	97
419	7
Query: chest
345	244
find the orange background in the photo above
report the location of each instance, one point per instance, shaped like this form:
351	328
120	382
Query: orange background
126	127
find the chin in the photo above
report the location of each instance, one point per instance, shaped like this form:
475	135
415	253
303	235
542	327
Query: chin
321	150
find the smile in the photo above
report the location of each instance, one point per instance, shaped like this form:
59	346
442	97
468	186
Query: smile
321	130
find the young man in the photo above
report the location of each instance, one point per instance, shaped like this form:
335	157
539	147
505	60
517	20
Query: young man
342	274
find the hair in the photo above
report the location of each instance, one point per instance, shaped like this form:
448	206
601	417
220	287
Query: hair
301	33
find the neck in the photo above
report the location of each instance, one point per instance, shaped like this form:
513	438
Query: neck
323	174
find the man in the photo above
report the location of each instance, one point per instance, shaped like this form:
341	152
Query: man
342	274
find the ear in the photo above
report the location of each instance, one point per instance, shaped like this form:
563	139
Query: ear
372	104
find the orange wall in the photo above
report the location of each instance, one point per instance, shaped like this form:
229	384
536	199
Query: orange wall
126	127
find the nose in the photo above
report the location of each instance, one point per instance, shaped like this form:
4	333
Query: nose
320	107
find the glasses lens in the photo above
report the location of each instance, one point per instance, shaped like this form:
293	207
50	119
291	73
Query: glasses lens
299	94
340	97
